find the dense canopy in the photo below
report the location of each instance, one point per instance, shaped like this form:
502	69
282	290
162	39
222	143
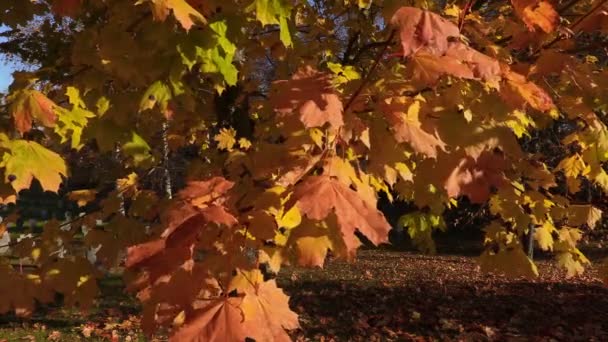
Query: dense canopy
203	138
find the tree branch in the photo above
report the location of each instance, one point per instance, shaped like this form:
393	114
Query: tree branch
365	48
599	5
370	72
349	47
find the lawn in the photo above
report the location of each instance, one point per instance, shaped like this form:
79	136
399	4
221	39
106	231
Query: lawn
385	295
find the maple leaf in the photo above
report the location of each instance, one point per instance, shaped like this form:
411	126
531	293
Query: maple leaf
519	92
573	166
419	28
573	262
510	261
482	66
82	197
68	8
158	93
213	50
30	291
30	105
201	202
185	14
407	128
226	139
543	235
75	279
312	250
138	149
267	313
583	214
271	12
537	13
310	241
26	160
319	196
476	178
420	227
220	320
428	68
308	93
74	120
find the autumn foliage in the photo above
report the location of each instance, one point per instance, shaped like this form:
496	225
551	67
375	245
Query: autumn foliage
299	114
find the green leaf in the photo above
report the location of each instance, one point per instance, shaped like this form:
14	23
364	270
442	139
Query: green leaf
137	148
212	50
420	228
159	94
74	120
274	12
26	160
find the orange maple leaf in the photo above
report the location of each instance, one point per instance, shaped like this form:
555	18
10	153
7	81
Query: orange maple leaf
197	205
407	128
537	13
68	8
482	66
184	13
267	312
519	92
308	93
318	196
33	105
221	320
428	68
476	178
419	28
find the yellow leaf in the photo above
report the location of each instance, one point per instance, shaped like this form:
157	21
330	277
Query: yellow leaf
543	235
82	197
291	219
573	166
573	263
27	160
226	139
244	143
511	262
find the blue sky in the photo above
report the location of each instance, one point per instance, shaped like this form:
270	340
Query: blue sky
6	69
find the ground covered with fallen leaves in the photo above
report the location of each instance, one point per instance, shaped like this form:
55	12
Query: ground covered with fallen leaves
385	295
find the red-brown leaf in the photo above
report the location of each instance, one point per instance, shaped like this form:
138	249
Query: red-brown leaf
221	320
267	313
537	13
318	196
33	105
310	95
476	178
419	29
408	129
483	67
428	68
68	8
519	93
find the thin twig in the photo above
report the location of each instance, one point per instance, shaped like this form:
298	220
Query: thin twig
370	72
575	24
